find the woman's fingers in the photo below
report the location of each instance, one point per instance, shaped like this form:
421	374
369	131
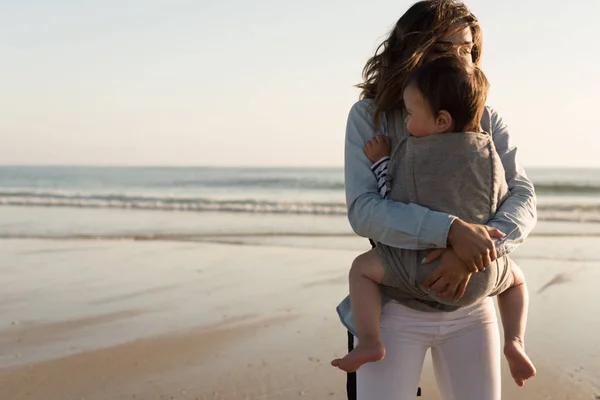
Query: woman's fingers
448	291
439	285
495	233
493	255
433	255
472	267
481	262
461	288
486	260
432	278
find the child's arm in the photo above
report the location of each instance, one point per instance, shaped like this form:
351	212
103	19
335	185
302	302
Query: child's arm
378	151
380	169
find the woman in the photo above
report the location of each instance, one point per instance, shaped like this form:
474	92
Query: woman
465	343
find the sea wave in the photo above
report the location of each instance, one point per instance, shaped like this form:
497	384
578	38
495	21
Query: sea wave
306	183
260	183
319	184
566	188
588	212
167	203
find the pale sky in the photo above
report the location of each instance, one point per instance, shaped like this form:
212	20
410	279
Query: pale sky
265	82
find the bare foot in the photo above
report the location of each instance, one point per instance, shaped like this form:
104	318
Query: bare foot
521	367
363	353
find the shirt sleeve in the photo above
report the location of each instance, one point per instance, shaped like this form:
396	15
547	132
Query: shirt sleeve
517	215
407	226
380	169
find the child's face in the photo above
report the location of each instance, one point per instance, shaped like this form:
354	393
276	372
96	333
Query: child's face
420	120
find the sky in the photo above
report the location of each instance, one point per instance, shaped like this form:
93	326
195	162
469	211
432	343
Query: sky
265	82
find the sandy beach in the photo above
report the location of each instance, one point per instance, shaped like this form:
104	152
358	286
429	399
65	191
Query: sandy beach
249	317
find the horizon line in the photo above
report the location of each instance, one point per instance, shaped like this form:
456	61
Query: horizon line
570	167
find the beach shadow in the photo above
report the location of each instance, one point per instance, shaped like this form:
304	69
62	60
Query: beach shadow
560	278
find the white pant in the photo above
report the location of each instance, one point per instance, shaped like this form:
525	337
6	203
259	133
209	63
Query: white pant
465	347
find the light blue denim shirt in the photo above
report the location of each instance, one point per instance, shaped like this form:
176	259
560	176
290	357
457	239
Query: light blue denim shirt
411	226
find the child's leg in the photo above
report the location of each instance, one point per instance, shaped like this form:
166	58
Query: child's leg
513	304
365	275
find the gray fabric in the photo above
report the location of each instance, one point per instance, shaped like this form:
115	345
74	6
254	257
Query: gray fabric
456	173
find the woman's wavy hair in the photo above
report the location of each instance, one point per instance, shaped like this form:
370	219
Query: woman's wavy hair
412	38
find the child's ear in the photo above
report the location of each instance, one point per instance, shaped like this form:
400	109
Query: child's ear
444	122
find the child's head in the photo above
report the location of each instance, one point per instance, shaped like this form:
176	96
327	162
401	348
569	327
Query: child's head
445	95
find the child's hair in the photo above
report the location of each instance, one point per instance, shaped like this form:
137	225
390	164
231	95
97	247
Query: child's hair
449	83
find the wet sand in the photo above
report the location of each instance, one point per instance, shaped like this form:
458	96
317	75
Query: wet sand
252	319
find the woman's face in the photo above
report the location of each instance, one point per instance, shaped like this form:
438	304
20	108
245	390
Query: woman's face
459	44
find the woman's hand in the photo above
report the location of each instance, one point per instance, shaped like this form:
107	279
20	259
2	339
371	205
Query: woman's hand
451	277
473	244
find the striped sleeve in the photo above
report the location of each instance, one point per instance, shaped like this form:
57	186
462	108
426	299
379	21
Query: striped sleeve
380	169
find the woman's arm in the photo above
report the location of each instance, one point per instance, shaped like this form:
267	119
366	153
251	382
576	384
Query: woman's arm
407	226
517	216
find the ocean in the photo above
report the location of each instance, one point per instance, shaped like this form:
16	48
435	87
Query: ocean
563	194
